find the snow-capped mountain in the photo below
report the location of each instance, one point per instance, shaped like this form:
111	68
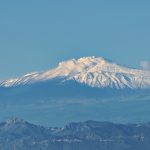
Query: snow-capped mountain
83	89
92	71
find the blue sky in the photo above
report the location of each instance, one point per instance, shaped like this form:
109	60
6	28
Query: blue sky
36	34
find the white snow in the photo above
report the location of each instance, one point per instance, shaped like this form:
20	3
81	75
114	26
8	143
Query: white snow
95	72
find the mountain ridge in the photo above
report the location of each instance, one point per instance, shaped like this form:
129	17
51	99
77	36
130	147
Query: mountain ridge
88	135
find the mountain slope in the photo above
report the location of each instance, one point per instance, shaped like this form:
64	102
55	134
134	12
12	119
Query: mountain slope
21	135
94	72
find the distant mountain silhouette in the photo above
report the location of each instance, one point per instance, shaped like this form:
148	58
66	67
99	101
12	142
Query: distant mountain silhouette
89	135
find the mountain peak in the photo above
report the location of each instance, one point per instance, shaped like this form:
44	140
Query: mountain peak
84	65
87	61
92	59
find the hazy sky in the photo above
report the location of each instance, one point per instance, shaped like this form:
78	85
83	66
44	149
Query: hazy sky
36	34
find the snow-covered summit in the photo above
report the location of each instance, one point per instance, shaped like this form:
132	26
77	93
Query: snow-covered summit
92	71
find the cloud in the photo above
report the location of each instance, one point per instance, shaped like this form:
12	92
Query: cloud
145	65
